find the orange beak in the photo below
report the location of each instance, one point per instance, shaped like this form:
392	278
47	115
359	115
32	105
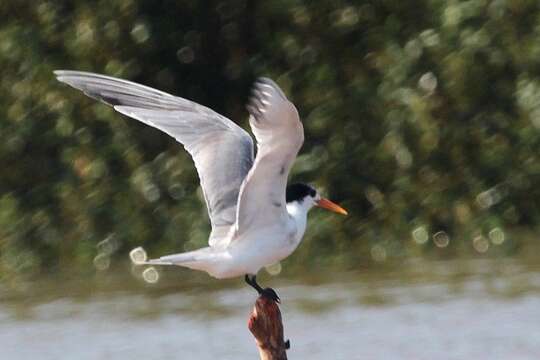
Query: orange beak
327	204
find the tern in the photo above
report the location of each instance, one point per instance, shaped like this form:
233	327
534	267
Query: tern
257	220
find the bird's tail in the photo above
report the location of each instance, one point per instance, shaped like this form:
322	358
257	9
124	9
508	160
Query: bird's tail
182	259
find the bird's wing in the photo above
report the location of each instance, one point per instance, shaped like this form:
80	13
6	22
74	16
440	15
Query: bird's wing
221	150
279	134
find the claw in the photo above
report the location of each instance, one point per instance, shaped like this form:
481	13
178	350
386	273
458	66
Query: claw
268	293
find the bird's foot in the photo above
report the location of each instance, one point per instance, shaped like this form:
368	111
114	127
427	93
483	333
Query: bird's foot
270	293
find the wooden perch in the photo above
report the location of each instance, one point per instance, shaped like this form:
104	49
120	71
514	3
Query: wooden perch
266	326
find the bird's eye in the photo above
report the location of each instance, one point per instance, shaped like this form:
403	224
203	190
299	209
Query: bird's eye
312	193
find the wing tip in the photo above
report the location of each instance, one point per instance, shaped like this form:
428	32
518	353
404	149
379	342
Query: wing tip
61	73
266	81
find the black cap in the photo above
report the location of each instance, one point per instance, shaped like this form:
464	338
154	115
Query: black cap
298	191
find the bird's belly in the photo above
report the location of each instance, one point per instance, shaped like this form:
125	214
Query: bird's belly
263	248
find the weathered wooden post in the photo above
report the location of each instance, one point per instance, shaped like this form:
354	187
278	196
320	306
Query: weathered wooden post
266	326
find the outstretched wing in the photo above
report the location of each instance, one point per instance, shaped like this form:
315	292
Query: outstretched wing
221	150
279	133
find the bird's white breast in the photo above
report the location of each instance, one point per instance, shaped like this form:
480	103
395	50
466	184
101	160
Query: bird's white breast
261	246
298	215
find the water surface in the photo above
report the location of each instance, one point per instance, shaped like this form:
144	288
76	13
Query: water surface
422	310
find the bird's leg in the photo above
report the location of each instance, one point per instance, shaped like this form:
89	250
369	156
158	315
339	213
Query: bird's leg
267	292
252	281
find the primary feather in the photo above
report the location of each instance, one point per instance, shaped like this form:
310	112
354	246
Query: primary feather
221	150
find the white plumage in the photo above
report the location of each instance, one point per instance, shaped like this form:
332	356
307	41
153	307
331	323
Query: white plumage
252	224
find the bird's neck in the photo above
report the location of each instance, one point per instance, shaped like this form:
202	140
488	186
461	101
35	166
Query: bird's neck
298	212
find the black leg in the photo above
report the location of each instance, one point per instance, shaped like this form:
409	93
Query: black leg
268	292
252	281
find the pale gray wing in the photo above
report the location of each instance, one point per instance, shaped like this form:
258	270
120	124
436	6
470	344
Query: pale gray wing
279	133
221	150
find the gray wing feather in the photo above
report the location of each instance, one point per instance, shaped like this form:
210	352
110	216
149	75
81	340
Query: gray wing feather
279	133
221	150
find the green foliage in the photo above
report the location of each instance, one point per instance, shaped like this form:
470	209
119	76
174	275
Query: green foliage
422	118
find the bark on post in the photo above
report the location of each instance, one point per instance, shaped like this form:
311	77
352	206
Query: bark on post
266	326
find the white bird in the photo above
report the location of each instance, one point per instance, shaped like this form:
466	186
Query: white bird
257	220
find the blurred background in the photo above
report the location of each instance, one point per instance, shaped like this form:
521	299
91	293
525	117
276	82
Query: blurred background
422	118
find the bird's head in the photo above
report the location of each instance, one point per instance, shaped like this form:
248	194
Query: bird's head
307	197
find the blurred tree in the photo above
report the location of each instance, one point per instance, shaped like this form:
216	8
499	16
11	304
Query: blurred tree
421	117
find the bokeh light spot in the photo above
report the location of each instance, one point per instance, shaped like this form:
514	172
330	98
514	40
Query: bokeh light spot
273	269
151	192
186	55
480	244
488	198
102	262
151	275
428	82
441	239
496	235
138	255
140	33
420	235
